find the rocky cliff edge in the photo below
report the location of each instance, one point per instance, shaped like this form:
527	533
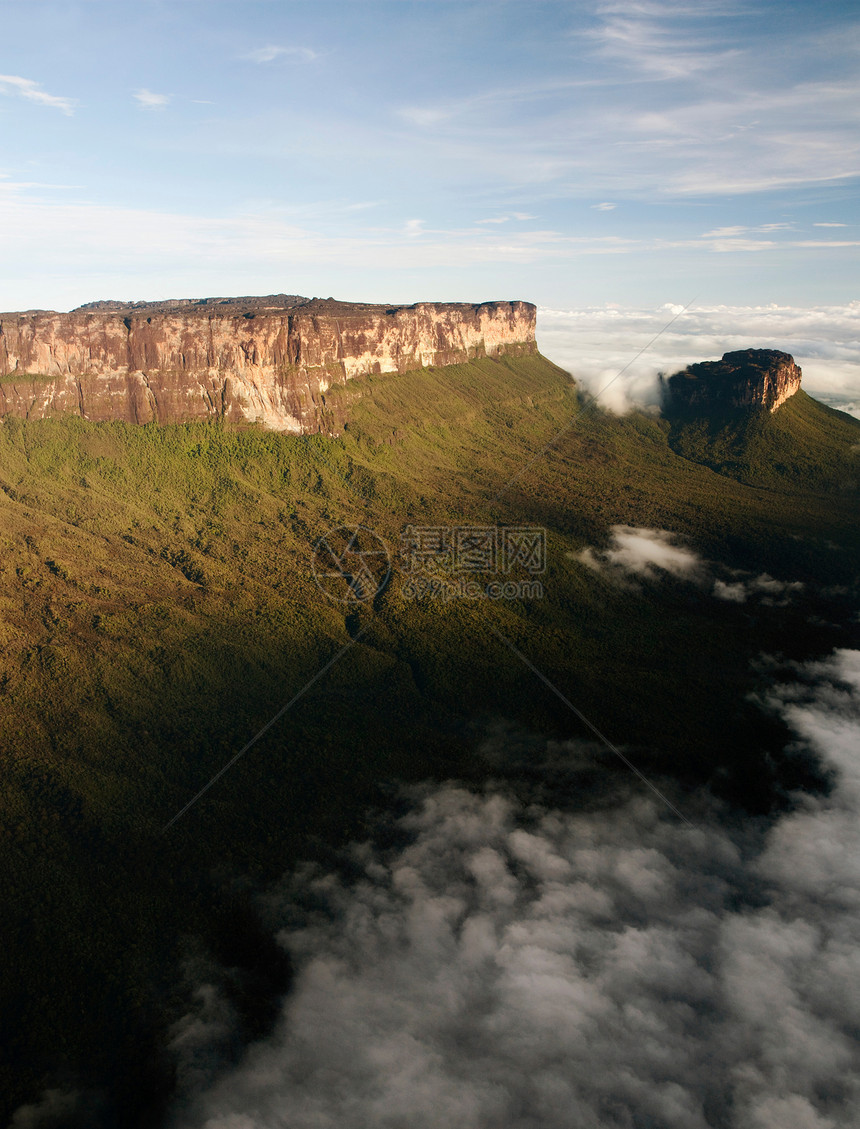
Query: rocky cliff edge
266	360
749	378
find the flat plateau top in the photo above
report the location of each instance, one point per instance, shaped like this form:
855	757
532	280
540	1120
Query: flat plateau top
238	307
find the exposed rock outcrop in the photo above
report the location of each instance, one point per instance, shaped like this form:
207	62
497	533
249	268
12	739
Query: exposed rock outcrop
749	378
260	360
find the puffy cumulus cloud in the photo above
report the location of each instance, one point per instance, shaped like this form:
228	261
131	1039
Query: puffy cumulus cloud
520	966
600	346
770	591
636	551
475	979
816	853
634	385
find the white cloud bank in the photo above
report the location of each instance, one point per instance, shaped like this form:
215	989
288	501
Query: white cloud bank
527	968
596	343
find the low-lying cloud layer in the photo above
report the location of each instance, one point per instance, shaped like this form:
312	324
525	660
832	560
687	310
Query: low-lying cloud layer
595	344
636	553
519	967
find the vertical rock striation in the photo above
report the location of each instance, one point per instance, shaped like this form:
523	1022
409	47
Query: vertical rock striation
259	360
749	378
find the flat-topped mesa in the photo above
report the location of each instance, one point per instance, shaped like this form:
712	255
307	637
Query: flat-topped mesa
749	378
266	360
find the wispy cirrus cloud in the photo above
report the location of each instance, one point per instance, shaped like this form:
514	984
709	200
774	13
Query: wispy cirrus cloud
36	226
148	100
481	106
731	232
272	51
519	216
691	106
423	116
650	38
33	92
71	237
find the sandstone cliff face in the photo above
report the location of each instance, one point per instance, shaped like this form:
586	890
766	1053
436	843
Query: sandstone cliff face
267	361
750	378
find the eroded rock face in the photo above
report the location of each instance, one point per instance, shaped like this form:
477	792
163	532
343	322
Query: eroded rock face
749	378
259	360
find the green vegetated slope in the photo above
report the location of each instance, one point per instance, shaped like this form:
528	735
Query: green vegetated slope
157	608
803	444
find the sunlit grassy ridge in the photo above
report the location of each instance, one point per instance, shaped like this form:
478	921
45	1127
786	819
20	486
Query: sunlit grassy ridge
157	607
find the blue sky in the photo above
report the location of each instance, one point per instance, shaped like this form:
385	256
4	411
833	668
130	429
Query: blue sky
566	153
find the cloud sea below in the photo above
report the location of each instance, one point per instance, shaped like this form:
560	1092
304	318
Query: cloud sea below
613	348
